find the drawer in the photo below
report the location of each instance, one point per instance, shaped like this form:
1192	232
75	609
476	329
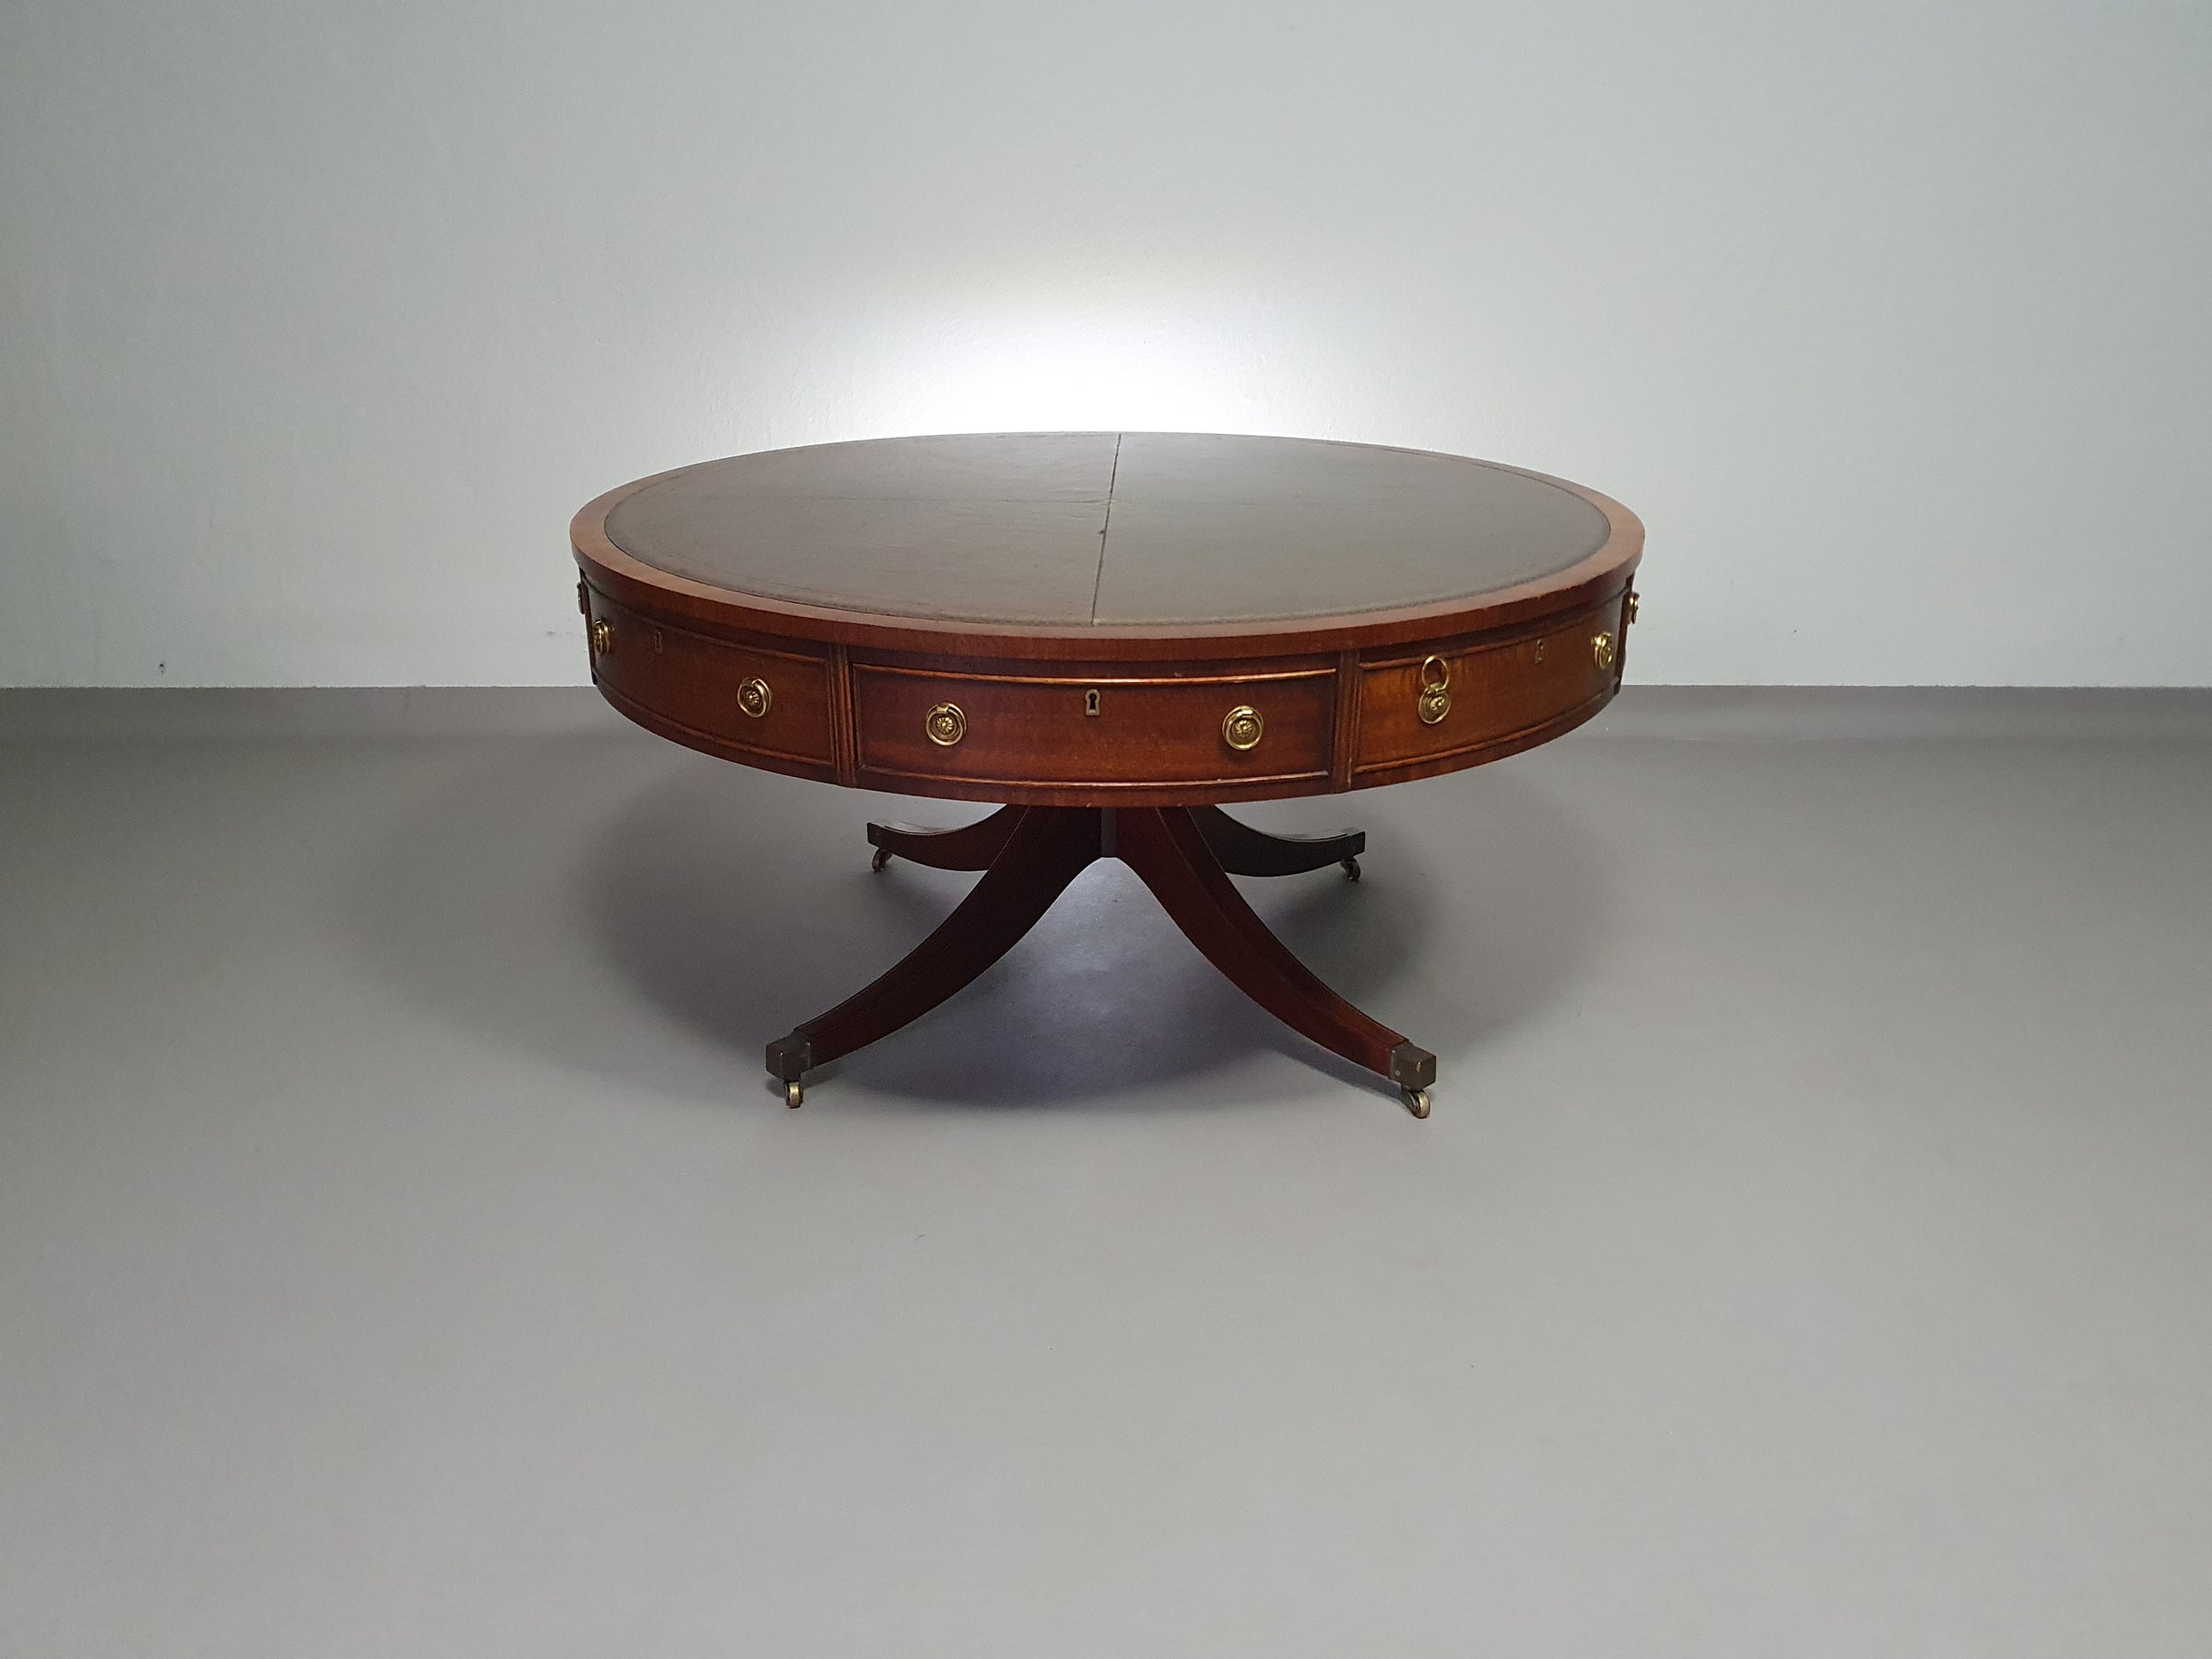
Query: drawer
775	703
1492	692
1147	731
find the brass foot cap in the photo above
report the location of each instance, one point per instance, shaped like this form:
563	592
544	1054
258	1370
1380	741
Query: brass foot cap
1410	1067
790	1058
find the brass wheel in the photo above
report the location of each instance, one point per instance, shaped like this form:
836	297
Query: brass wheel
794	1093
1351	869
1416	1101
883	856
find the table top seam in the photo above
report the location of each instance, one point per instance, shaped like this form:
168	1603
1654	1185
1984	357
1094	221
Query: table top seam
1105	524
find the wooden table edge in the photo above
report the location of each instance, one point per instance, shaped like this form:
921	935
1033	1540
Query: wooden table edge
642	587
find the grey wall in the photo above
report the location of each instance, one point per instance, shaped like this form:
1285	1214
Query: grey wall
317	321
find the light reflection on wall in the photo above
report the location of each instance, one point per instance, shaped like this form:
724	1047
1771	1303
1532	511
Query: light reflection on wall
1228	371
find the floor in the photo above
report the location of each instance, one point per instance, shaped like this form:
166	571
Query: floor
402	1252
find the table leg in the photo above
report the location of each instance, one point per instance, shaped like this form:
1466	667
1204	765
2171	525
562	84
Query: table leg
1244	850
1038	852
1170	853
1047	848
971	847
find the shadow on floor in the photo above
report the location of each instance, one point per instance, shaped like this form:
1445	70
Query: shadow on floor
660	923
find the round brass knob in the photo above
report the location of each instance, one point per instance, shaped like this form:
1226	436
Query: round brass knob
603	637
1635	603
1601	648
946	725
1434	701
1242	728
754	698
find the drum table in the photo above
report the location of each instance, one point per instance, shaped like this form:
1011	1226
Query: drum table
1110	634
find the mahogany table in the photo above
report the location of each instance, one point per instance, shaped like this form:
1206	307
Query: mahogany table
1110	633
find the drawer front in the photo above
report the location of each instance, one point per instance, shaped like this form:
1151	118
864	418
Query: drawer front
775	703
1148	732
1490	692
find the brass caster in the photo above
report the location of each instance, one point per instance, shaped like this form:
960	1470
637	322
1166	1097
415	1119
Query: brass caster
883	856
1416	1101
794	1094
1351	869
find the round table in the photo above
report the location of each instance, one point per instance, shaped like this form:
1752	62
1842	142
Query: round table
1110	634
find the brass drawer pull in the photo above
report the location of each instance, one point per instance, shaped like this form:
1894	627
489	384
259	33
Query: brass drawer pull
755	698
603	637
946	725
1435	700
1242	728
1601	648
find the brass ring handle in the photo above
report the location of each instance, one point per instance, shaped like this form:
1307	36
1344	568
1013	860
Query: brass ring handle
944	724
755	698
1242	728
1600	648
1434	701
603	637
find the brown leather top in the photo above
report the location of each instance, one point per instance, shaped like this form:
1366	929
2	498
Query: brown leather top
1064	529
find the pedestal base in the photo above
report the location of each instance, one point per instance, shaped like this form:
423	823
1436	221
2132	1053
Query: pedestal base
1185	855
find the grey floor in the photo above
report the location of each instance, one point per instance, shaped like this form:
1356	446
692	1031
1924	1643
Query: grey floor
402	1253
